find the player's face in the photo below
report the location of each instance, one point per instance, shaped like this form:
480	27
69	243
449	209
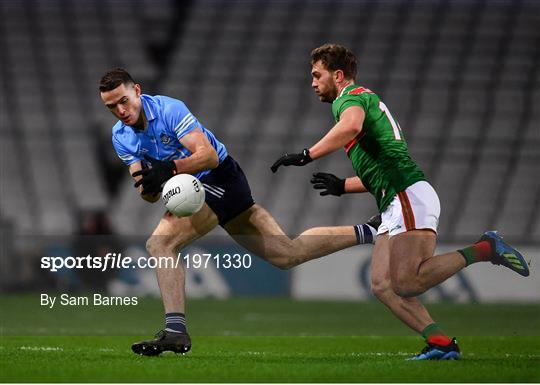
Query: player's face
323	83
124	102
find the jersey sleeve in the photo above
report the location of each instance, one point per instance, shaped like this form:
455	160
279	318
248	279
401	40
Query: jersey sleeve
179	119
347	101
123	153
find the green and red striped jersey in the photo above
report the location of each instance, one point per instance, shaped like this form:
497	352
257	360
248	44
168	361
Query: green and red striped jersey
379	153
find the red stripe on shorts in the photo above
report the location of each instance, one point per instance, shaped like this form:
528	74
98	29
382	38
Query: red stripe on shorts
408	214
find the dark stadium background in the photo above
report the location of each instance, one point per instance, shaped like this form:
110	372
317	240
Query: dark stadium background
462	78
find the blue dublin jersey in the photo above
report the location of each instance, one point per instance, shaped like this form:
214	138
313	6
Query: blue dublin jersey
168	121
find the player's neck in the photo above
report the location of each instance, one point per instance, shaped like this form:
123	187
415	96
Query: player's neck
141	123
342	86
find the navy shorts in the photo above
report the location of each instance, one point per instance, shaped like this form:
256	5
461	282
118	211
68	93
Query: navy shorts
227	190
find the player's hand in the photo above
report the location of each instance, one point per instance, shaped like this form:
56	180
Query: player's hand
300	159
154	177
331	184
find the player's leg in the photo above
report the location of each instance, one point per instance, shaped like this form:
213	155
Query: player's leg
257	230
409	310
413	215
229	195
170	236
412	219
413	267
492	248
398	223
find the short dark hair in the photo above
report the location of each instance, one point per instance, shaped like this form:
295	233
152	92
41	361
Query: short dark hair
336	57
114	78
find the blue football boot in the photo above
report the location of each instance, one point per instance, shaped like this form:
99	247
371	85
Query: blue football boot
434	351
504	254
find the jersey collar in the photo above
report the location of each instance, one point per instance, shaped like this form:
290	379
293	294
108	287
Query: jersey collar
349	87
148	105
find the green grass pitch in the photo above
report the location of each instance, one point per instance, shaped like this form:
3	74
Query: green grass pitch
264	340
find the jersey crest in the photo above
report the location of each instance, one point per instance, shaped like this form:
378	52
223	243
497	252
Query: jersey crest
165	139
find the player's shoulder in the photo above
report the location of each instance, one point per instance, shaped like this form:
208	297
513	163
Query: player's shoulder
171	106
168	102
118	129
357	90
355	94
121	136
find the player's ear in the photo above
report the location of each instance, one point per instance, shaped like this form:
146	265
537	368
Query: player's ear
338	76
138	90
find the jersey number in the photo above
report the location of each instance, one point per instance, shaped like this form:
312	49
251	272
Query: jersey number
395	126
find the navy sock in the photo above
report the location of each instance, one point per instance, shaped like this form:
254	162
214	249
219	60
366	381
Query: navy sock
365	234
175	322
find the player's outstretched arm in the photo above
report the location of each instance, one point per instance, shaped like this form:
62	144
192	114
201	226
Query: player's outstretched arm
340	135
354	184
333	185
348	127
300	159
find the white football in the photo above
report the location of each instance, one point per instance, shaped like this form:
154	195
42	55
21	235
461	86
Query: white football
183	195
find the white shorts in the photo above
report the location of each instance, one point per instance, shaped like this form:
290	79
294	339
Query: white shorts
415	208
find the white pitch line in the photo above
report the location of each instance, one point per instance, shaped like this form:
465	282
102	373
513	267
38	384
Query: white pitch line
379	354
42	348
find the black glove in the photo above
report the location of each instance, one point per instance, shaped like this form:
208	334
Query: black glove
154	177
292	160
331	184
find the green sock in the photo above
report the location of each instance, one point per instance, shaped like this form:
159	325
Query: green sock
433	334
433	329
480	251
468	254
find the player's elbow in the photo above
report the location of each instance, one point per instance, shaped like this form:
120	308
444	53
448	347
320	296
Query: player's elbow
355	128
212	159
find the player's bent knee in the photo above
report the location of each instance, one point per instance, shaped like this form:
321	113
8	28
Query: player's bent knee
282	263
158	245
152	246
284	260
408	288
284	266
381	288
